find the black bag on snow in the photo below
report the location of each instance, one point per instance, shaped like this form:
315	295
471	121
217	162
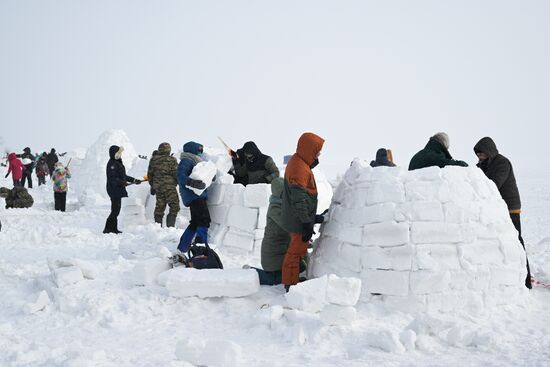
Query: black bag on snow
203	257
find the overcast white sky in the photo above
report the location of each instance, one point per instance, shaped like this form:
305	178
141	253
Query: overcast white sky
362	74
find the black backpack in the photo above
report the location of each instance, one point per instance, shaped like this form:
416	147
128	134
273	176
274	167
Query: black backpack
203	257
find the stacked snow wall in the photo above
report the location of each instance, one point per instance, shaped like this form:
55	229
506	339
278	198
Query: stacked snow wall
431	239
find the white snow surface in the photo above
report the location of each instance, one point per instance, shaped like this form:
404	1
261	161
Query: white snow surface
100	317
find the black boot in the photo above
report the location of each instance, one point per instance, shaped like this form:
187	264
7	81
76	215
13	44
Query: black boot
158	219
170	220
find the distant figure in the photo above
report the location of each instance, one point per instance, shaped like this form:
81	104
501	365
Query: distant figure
382	159
200	216
18	197
16	168
42	170
51	160
117	180
252	167
162	176
435	153
300	204
60	185
499	169
27	158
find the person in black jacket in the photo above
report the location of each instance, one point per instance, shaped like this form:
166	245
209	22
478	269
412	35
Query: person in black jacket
28	161
251	166
117	180
499	169
382	159
51	160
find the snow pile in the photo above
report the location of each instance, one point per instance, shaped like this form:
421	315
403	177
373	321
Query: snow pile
332	296
430	239
89	178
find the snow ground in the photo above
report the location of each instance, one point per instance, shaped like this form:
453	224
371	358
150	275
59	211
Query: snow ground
108	321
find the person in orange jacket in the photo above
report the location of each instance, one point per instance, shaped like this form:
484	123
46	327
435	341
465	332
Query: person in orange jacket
300	204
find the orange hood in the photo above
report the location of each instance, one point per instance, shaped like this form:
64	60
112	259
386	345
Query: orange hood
309	145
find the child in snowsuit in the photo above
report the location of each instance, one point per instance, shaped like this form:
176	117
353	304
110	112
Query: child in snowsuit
42	170
200	216
60	185
16	169
117	180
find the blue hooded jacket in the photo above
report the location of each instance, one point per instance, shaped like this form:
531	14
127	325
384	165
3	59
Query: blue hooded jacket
189	159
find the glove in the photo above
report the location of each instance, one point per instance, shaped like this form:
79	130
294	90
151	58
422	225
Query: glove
196	184
153	191
124	183
320	218
307	231
137	182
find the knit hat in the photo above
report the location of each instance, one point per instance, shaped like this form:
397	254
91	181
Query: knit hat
442	138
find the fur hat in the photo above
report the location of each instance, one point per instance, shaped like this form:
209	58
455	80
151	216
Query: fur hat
442	138
118	154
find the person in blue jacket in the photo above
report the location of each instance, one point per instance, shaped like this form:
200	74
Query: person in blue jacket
200	216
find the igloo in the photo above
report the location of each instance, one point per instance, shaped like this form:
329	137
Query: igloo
426	240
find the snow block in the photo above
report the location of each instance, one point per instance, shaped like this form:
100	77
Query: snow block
146	272
351	255
338	315
262	217
205	283
426	233
344	232
507	276
67	275
234	194
385	191
239	240
308	296
425	174
218	213
42	301
494	211
424	282
434	257
386	234
257	195
390	258
242	218
482	252
204	171
343	291
387	282
430	211
428	191
216	194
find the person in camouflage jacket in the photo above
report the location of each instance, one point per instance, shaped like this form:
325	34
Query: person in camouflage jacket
162	176
18	197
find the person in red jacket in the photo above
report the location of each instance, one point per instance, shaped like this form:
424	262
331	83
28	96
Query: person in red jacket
16	169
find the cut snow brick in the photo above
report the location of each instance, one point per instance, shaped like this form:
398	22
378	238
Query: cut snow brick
385	191
352	256
390	258
216	194
387	282
309	296
204	171
443	256
428	232
482	252
430	211
242	218
234	195
338	315
386	234
424	281
204	283
428	191
41	302
343	291
507	276
218	213
238	239
67	275
146	272
432	173
257	195
262	217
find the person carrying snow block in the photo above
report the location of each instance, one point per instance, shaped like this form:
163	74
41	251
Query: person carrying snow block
28	161
60	185
42	170
200	216
162	176
18	197
299	205
16	169
51	160
117	180
499	169
435	153
251	166
382	159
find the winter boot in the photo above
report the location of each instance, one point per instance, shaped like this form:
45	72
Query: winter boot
186	239
202	235
158	219
109	226
170	220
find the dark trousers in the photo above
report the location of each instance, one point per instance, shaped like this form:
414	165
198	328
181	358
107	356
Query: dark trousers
517	223
27	176
60	199
111	225
200	216
41	180
274	277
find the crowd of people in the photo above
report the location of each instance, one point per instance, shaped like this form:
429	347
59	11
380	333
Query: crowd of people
292	212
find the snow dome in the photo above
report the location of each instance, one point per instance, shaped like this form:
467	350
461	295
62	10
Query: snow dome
425	240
